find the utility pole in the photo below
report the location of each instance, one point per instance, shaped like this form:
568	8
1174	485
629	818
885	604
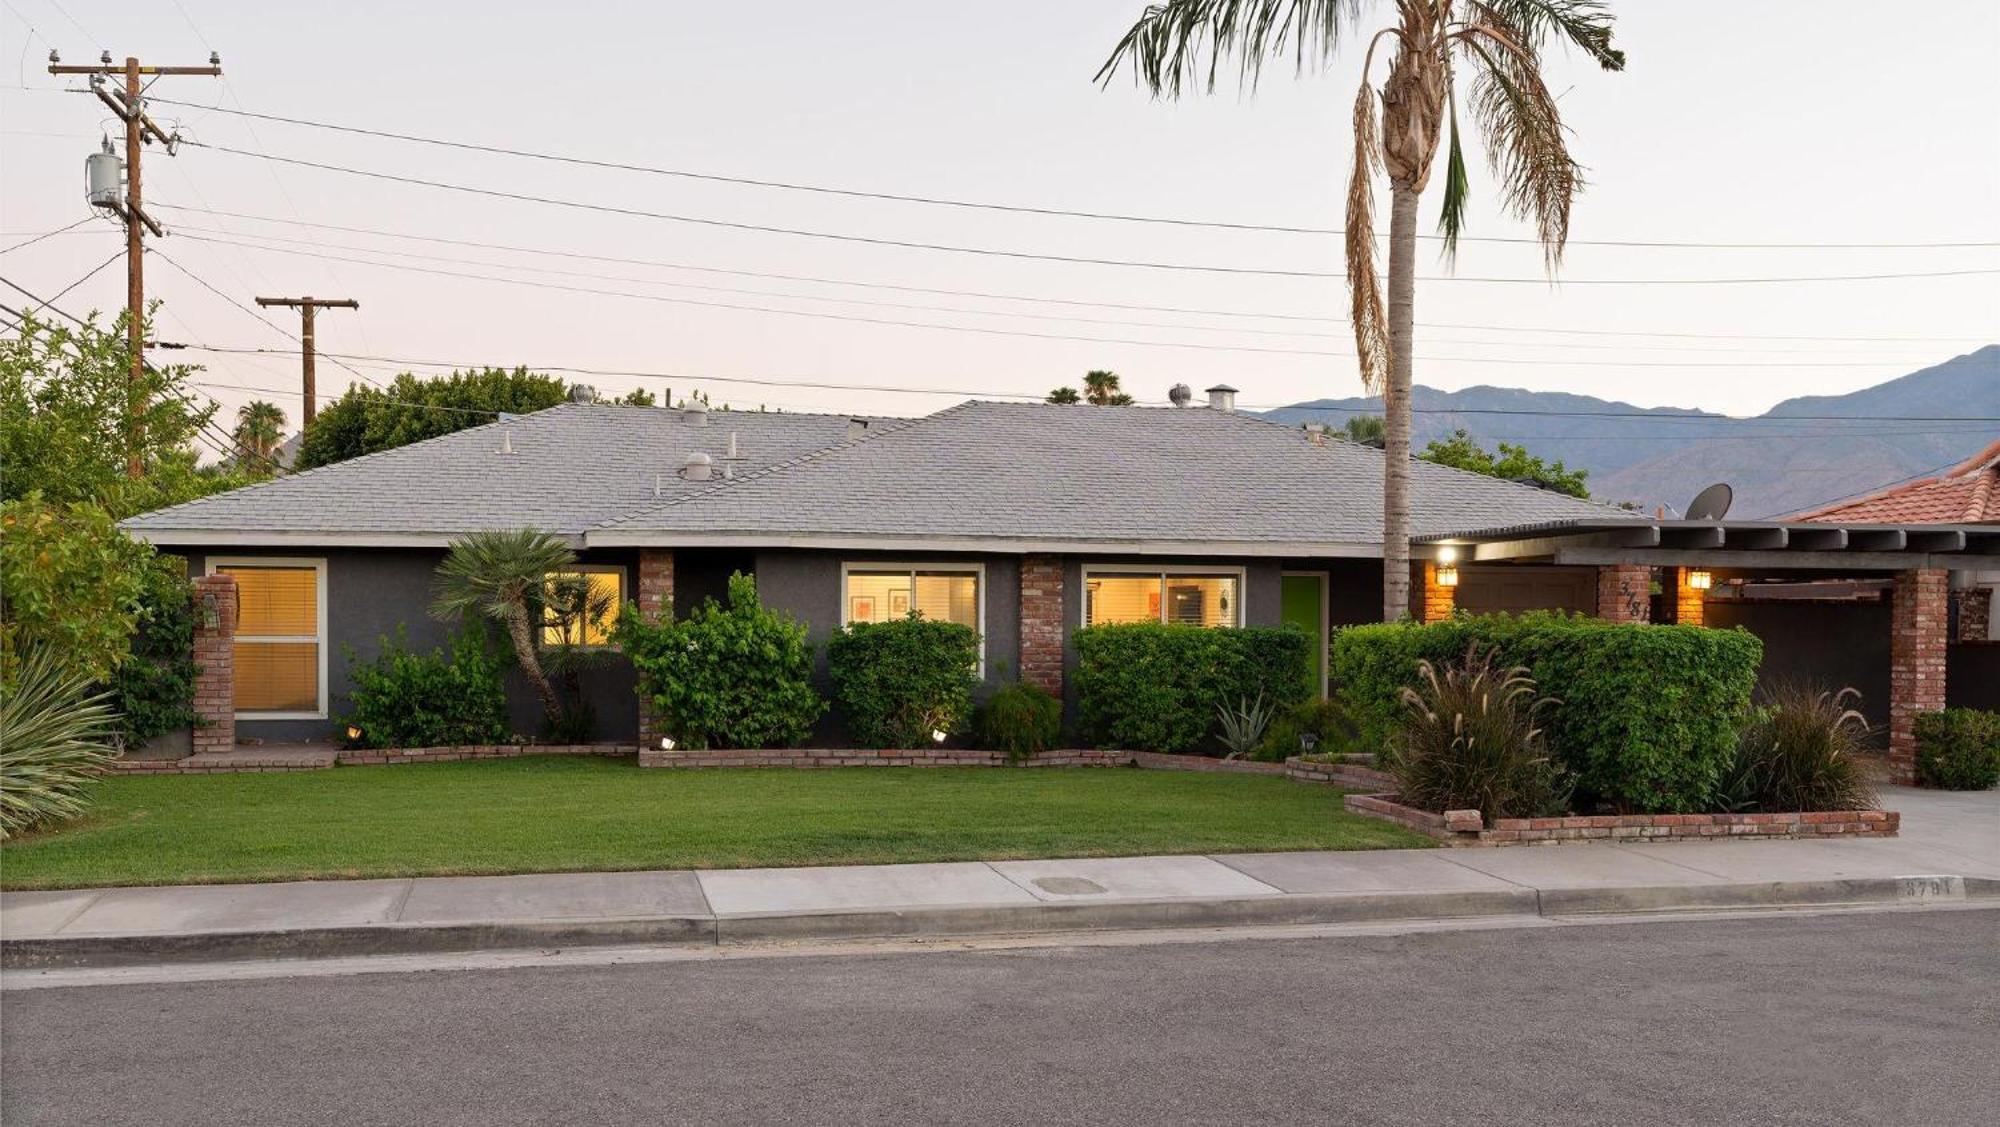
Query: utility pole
307	306
140	130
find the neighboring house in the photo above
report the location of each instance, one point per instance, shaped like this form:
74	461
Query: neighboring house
1025	522
1968	493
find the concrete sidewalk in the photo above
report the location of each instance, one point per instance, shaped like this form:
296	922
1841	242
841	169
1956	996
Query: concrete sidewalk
1950	849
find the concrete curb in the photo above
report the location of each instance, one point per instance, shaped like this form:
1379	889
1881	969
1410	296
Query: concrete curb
969	920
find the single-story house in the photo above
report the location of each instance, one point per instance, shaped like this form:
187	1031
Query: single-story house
1025	521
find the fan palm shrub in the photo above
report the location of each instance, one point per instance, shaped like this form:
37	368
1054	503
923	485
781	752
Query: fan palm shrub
1471	740
1802	749
502	577
55	736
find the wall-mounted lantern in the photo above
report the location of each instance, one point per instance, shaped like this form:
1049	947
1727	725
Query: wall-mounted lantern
1700	579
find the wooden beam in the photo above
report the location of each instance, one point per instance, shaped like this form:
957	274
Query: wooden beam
1877	539
1645	536
1817	539
1942	540
1710	537
1759	538
1753	562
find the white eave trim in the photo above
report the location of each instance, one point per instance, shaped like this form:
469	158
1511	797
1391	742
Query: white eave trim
212	538
848	542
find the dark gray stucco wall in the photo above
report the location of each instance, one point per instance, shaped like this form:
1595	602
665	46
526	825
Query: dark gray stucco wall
370	592
1827	645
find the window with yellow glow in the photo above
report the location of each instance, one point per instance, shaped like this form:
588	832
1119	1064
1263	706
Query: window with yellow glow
582	605
887	594
278	644
1191	598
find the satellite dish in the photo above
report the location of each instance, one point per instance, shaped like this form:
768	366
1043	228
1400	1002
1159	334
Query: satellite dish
1711	503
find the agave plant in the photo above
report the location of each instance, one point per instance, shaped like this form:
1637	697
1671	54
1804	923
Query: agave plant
55	736
1802	750
1243	726
1470	740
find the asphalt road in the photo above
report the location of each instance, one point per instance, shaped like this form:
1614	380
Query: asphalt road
1878	1018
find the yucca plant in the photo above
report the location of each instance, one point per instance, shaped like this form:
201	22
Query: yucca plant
1243	726
1802	750
1470	740
55	736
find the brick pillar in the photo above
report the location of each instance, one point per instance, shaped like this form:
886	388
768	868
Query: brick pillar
1042	622
1624	593
1439	600
656	601
1917	631
1690	603
215	652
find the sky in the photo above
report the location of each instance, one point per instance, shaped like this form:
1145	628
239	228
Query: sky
1776	122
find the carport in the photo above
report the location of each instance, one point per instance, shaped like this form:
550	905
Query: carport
1693	558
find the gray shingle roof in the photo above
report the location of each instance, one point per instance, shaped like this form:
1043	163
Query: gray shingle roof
572	466
1033	472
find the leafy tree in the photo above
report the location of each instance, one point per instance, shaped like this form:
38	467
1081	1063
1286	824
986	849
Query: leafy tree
260	427
501	576
1514	463
68	421
1065	395
1490	48
637	397
1368	430
367	420
73	584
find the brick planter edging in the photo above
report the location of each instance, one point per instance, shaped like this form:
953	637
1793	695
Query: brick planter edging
1355	776
877	757
1164	761
370	756
209	765
1468	828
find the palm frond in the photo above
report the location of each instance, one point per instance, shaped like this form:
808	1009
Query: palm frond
497	574
1364	287
1583	23
1457	189
1182	44
1526	144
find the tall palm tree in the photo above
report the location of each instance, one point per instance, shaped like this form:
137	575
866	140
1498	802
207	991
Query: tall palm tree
504	576
1100	389
1495	47
260	427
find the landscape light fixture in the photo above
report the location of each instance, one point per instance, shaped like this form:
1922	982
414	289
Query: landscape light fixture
937	735
353	734
1700	580
666	743
1307	742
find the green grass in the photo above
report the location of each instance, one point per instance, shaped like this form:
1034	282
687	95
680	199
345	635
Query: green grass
550	814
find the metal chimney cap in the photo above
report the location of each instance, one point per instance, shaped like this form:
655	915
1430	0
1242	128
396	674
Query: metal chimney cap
695	412
1222	397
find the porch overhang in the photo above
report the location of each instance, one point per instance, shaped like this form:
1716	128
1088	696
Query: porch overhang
1760	545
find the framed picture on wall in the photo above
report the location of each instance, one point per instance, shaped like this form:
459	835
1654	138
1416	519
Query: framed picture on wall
899	604
861	608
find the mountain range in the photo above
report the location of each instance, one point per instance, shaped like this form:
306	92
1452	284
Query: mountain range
1801	453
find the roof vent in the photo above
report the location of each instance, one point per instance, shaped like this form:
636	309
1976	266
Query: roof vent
1222	397
698	467
1316	433
1180	395
857	429
735	453
582	393
696	414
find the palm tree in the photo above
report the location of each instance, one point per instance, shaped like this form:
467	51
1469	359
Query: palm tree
1065	395
1100	388
503	576
260	427
1495	45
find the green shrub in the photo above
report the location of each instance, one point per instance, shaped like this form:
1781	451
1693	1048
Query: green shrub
1647	716
735	675
1157	687
1801	750
1958	749
1020	719
438	699
1330	722
72	583
897	682
1471	740
153	689
55	736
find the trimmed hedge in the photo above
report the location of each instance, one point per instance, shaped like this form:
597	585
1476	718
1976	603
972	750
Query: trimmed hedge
1958	749
1648	715
407	699
896	682
1156	687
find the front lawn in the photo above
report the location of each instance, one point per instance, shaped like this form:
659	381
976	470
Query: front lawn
555	814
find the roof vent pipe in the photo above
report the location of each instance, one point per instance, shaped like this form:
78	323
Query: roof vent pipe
1316	433
735	453
1180	395
696	414
1222	397
857	429
582	393
698	467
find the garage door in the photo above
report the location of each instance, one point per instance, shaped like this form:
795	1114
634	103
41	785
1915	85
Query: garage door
1489	588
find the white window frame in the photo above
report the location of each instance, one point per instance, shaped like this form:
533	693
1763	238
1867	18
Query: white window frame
1163	571
624	593
318	565
976	569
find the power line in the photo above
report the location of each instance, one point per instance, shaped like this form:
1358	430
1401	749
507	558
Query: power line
47	235
273	326
1023	209
907	244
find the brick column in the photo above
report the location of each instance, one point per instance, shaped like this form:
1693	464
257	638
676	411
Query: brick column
1690	603
1439	600
1917	631
1042	622
656	601
215	654
1624	593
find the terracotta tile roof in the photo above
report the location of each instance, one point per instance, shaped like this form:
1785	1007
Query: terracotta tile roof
1968	493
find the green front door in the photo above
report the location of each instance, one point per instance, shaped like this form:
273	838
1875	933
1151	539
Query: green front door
1302	602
